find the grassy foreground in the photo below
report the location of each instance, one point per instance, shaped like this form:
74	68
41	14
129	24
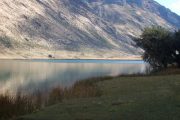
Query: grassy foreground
13	106
123	98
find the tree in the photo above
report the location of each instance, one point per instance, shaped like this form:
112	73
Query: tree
176	47
157	45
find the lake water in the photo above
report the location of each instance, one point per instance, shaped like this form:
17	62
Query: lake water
31	75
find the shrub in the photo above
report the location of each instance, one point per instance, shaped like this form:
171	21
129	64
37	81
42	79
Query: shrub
6	41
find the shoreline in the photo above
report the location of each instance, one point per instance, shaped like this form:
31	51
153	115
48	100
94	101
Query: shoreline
121	58
66	55
98	88
128	98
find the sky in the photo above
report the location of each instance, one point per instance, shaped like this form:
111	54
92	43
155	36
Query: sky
173	5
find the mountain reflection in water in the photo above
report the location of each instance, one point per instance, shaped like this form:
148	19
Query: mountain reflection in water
29	76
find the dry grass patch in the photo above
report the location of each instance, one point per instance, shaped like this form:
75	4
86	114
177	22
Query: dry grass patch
14	106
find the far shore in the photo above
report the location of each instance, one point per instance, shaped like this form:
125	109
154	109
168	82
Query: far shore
63	55
131	58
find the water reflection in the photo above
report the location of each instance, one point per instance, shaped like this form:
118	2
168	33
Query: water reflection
28	76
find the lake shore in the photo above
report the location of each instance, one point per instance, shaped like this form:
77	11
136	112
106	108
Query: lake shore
99	98
124	97
39	54
75	58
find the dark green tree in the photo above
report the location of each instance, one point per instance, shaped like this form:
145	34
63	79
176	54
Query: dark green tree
157	45
176	47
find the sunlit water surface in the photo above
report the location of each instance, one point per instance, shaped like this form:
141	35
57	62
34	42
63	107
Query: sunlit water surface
31	75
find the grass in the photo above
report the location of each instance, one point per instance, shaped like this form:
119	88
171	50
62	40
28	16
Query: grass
81	89
168	71
122	98
13	106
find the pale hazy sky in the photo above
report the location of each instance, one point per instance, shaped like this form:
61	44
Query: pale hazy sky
174	5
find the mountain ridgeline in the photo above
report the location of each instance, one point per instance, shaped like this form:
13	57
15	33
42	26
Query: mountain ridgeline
78	28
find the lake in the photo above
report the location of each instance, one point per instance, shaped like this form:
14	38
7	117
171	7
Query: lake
43	75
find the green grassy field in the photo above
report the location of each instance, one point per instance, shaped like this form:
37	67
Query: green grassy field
123	98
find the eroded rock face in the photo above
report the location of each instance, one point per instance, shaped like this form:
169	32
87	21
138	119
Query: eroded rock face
81	25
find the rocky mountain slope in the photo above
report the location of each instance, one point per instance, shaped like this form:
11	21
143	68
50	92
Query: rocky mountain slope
77	28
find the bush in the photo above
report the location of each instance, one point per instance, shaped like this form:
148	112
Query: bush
6	41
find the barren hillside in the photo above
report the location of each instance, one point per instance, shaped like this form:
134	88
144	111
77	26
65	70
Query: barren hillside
77	28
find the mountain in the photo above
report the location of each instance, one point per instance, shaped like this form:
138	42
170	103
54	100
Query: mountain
77	28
